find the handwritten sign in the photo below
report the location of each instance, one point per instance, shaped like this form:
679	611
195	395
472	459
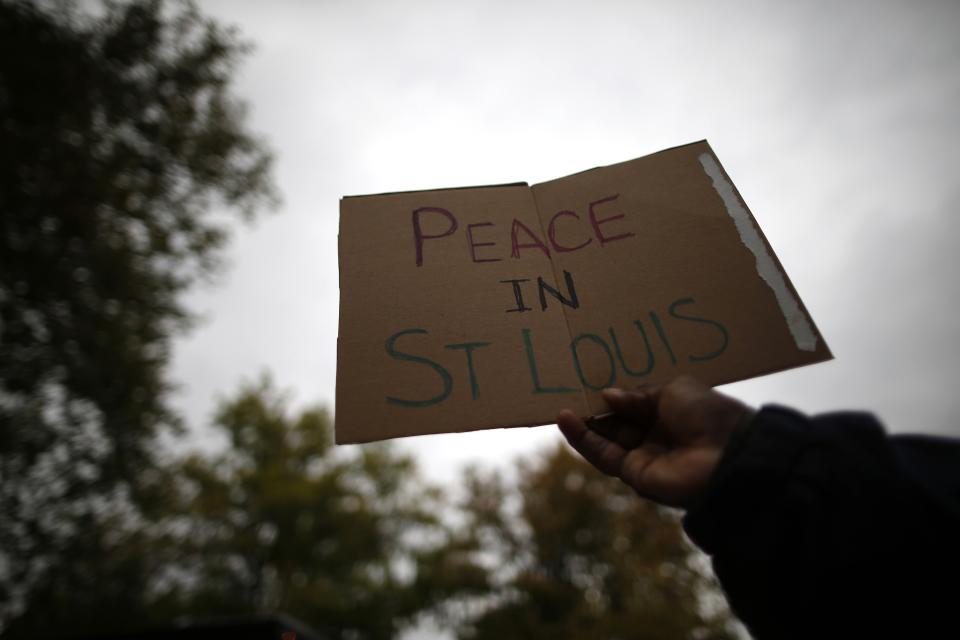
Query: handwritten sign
497	306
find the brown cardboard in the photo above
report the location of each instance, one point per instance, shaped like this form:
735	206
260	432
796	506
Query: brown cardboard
627	274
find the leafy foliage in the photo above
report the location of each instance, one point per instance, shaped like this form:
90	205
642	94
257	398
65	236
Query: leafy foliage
576	554
281	522
119	137
122	150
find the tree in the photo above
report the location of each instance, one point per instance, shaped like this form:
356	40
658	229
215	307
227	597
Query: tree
122	148
575	554
279	521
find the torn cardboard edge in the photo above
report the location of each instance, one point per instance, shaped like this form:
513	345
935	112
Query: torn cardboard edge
769	270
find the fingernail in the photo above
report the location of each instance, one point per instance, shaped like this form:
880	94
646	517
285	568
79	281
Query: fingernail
612	393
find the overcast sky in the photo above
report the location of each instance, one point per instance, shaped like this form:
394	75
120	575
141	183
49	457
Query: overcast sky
837	121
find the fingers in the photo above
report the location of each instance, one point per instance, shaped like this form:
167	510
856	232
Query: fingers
635	468
604	454
671	477
640	405
664	440
630	465
624	431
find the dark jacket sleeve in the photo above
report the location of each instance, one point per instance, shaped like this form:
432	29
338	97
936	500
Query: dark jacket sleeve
828	527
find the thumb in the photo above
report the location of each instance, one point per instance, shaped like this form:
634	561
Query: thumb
641	406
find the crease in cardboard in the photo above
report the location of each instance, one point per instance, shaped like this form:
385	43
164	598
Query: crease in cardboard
554	267
797	322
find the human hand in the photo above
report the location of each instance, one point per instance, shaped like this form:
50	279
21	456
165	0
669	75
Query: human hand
664	441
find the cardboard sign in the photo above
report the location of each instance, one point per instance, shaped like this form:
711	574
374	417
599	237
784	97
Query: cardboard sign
497	306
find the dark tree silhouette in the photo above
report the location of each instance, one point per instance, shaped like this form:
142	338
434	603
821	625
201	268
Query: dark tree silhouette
121	151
